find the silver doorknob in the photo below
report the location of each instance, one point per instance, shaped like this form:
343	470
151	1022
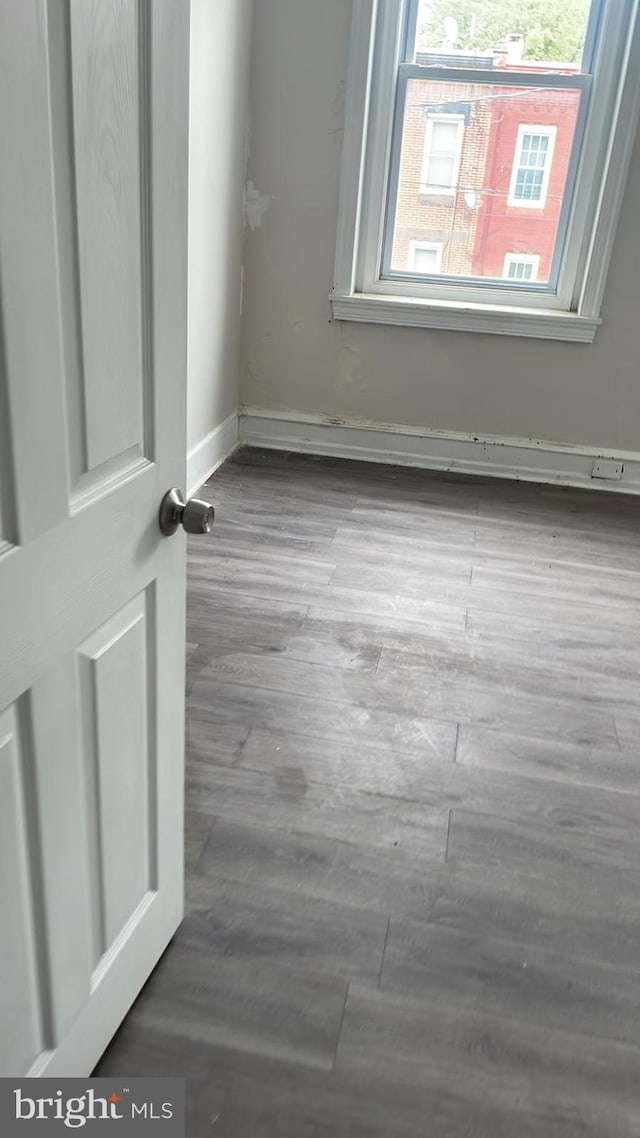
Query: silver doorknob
195	516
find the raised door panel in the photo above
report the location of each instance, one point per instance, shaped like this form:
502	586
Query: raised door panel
53	715
44	884
23	1034
117	682
30	331
109	88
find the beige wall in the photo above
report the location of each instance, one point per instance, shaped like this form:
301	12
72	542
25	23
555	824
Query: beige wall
220	47
295	360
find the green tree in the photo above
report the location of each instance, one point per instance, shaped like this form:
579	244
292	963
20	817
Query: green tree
552	29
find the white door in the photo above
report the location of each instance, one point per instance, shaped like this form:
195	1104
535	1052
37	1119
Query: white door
93	219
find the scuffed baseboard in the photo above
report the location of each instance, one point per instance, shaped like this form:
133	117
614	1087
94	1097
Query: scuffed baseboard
211	452
487	455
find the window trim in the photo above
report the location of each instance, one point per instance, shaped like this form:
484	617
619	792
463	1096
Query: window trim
549	132
429	188
574	314
521	259
436	247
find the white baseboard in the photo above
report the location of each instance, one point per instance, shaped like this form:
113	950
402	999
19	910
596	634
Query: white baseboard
493	455
210	452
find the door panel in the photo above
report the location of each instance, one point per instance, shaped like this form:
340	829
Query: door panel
22	1037
93	185
109	80
117	680
52	721
29	277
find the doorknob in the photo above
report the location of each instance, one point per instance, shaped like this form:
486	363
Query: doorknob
195	516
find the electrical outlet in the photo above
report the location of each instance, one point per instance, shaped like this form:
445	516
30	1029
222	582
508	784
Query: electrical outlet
607	468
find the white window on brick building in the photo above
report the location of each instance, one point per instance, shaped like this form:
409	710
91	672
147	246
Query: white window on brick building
442	149
532	163
425	256
521	266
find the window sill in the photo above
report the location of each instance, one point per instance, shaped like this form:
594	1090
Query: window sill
500	320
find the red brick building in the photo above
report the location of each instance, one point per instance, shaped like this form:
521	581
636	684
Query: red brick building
528	158
482	174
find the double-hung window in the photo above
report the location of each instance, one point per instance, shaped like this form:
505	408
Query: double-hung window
442	149
532	166
485	155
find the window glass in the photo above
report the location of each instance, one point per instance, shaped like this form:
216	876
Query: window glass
501	33
482	168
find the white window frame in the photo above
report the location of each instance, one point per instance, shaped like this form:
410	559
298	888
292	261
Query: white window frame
521	259
427	187
549	132
572	311
433	247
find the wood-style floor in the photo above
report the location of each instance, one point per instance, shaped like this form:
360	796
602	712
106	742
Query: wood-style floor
413	806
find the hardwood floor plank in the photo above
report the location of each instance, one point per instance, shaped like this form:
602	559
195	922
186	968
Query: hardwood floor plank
548	669
595	919
260	1008
290	524
294	562
288	801
352	648
358	651
446	968
240	573
601	640
564	511
239	1095
577	548
196	832
210	602
343	871
374	768
569	842
446	584
247	922
370	534
556	580
378	611
610	768
272	709
542	1080
570	613
223	1091
237	534
211	741
426	694
370	603
427	775
221	615
497	698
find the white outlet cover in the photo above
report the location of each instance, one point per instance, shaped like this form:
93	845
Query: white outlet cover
607	468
